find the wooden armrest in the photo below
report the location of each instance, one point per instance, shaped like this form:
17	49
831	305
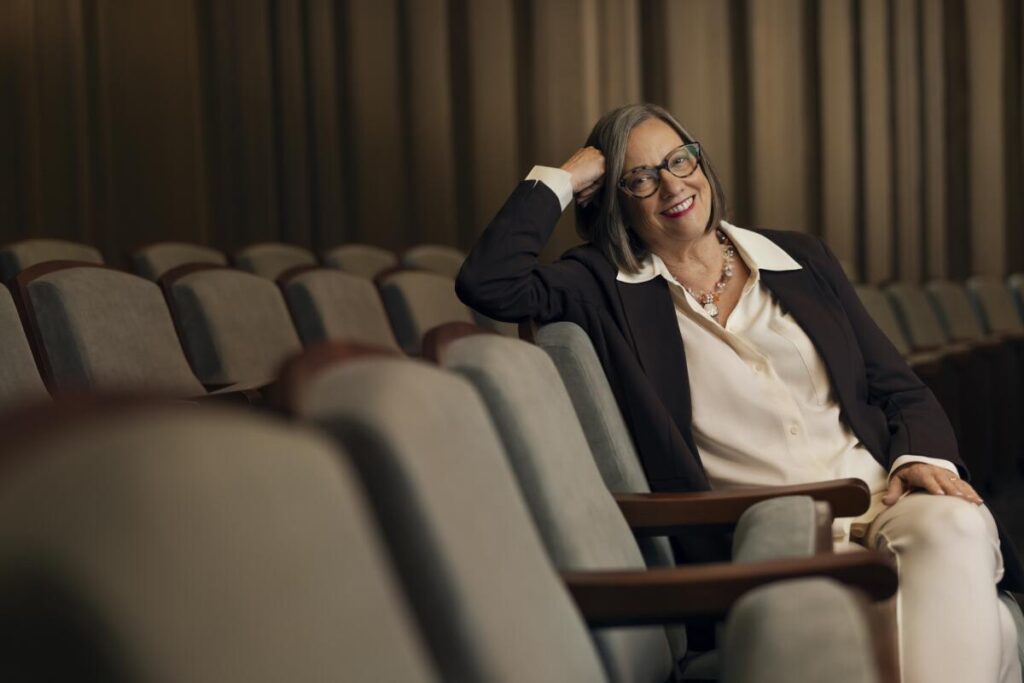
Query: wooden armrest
659	511
669	595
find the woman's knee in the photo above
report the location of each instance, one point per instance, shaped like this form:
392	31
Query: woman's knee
949	520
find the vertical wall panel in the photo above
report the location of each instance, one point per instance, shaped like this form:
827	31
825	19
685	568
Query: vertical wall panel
934	152
987	138
618	53
907	147
877	142
779	122
838	129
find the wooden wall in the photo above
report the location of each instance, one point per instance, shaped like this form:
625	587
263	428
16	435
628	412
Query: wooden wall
893	128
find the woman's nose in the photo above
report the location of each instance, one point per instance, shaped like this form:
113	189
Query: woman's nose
670	184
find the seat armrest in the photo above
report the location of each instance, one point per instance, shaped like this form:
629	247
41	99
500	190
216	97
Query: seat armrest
678	594
648	512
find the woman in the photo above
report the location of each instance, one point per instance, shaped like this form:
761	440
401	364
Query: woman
744	358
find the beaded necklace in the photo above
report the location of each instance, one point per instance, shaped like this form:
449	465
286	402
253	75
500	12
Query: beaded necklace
709	299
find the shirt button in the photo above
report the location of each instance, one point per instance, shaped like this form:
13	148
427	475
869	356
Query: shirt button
794	430
758	368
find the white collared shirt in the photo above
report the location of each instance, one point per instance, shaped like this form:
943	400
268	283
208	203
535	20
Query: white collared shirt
764	413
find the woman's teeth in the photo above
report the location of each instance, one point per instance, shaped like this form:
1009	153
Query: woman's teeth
679	208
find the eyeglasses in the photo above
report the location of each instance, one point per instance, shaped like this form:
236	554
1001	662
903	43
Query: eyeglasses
643	182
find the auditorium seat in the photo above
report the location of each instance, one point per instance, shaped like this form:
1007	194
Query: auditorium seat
99	329
437	258
153	260
271	259
234	325
364	260
1016	284
469	553
17	256
20	381
147	543
995	301
416	301
327	304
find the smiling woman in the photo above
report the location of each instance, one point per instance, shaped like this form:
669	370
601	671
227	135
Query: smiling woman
784	379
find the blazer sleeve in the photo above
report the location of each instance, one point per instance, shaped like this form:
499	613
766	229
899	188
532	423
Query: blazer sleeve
917	423
503	277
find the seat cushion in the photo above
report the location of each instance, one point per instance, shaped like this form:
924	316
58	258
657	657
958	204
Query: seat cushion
329	304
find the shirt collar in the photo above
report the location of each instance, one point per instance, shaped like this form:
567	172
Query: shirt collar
756	250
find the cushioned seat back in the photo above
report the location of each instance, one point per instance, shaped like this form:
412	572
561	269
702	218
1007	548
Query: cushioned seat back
882	313
417	301
488	598
196	545
19	377
919	318
328	304
270	259
436	258
153	261
956	311
18	256
1016	284
995	302
236	326
363	260
576	514
106	330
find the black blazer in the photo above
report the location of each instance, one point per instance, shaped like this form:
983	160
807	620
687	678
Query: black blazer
634	330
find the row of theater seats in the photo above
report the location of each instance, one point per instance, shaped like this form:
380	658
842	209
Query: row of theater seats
441	519
966	341
203	328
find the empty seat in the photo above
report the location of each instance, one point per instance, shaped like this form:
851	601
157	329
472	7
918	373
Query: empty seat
18	256
1016	284
235	326
20	382
100	329
417	301
364	260
998	308
437	258
271	259
152	261
331	305
151	544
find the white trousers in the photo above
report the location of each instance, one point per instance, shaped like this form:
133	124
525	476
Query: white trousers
952	626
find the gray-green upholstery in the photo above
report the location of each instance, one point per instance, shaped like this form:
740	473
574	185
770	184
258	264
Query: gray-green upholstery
364	260
270	259
20	382
810	630
106	330
778	528
329	304
236	326
417	301
881	311
956	311
995	301
198	545
579	520
489	600
1016	284
18	256
437	258
154	260
920	320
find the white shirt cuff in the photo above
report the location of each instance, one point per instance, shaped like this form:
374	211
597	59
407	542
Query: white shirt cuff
938	462
557	180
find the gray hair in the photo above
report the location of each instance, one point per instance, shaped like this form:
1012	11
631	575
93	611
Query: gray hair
604	222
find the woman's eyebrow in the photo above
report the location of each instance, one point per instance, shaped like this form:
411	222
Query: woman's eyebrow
667	155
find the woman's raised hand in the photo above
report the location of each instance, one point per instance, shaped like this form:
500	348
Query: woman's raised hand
586	166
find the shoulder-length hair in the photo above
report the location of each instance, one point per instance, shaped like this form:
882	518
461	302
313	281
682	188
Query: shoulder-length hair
604	222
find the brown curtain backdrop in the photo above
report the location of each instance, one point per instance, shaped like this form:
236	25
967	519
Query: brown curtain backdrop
892	128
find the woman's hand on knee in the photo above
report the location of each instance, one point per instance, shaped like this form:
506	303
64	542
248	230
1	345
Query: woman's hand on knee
935	480
586	167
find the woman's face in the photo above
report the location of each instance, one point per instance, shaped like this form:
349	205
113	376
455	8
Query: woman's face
679	210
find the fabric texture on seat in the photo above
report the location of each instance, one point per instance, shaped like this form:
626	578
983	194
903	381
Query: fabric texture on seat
105	330
957	313
152	261
18	256
270	259
772	629
489	601
207	546
777	528
20	382
919	318
996	303
417	301
364	260
236	326
329	304
579	520
436	258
